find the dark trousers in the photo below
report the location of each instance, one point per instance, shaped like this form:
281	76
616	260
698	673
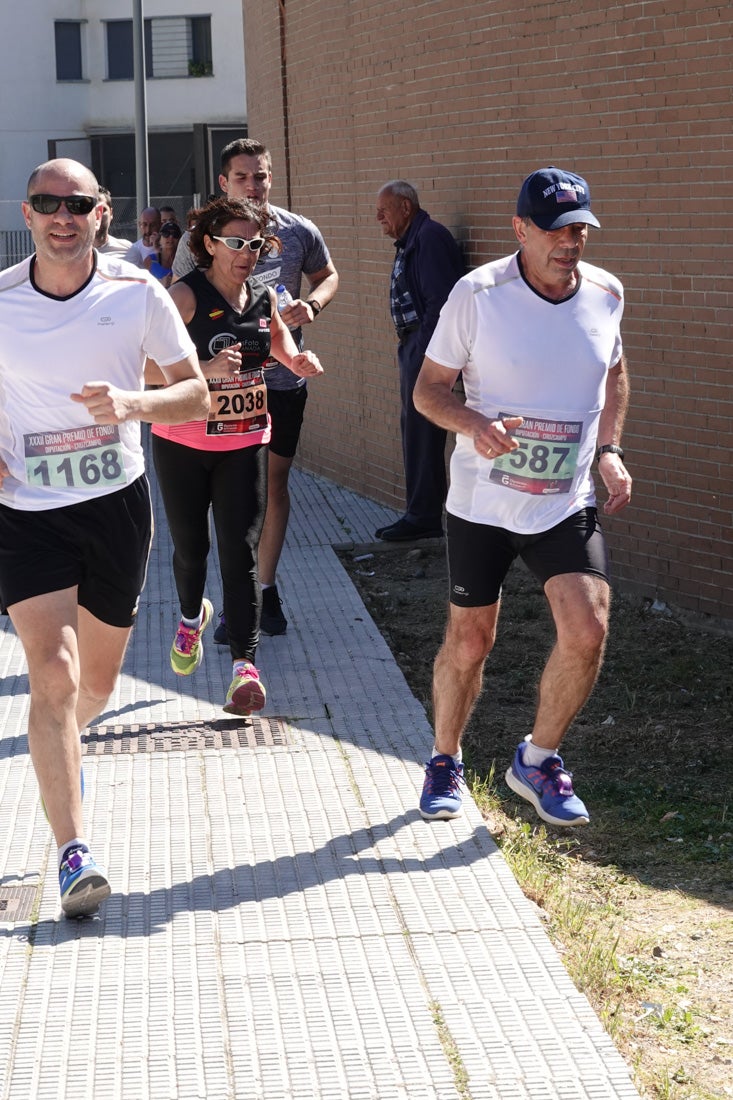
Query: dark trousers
234	485
423	445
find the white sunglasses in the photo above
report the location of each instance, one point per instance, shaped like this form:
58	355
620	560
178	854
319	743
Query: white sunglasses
238	243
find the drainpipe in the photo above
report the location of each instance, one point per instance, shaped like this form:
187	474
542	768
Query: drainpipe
286	113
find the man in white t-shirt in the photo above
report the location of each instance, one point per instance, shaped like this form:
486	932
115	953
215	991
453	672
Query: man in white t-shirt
536	337
75	515
104	241
148	242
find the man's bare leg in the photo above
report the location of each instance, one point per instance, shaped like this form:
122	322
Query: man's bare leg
277	515
580	608
457	676
66	647
458	671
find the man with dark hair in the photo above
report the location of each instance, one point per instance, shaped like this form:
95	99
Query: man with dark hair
246	172
427	263
103	241
75	514
537	338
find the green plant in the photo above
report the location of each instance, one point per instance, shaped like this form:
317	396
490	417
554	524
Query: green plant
200	68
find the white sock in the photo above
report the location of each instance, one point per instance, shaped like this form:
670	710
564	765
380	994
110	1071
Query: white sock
193	624
457	757
77	842
534	755
264	586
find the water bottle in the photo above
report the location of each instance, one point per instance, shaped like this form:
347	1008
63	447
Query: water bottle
284	299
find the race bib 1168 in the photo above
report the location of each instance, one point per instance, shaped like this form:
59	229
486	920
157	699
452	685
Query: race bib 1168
75	459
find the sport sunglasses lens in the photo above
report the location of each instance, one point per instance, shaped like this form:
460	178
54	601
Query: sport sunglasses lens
238	243
75	204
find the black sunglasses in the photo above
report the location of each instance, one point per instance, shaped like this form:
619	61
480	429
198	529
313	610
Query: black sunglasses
75	204
238	243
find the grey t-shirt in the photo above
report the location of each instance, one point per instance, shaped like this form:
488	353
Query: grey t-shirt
304	252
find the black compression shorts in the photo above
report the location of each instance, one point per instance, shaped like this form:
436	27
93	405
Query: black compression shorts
479	556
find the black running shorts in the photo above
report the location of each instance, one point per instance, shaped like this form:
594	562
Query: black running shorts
101	546
286	409
479	556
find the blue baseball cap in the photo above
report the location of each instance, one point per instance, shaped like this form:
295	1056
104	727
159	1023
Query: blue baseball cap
553	198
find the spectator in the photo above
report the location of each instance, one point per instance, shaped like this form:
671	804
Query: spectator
426	265
147	243
103	242
161	265
168	214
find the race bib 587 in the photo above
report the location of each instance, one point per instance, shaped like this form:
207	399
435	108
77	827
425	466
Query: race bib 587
546	459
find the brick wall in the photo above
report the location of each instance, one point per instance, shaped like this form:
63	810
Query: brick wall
464	100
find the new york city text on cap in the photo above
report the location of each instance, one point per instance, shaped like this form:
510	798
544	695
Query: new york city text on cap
553	198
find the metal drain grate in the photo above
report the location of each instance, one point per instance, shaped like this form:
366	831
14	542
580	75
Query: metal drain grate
16	902
186	737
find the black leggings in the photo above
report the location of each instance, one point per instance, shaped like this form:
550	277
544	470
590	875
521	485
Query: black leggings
234	484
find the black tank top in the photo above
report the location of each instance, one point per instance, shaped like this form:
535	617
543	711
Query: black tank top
216	325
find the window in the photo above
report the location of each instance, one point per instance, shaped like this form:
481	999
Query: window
120	54
68	50
174	47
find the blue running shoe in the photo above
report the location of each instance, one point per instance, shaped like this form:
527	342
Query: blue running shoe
549	788
441	797
82	884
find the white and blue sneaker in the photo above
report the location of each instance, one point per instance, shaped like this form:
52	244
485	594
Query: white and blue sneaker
82	884
549	788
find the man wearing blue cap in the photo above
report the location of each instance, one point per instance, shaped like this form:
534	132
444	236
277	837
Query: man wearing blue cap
536	336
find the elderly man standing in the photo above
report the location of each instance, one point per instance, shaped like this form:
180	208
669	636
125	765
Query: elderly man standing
537	336
75	514
427	264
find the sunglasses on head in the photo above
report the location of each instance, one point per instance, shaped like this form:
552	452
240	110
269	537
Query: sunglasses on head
238	243
75	204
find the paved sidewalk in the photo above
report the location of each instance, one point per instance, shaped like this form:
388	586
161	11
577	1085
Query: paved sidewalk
283	923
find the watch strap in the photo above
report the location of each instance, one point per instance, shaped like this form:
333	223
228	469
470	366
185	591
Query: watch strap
610	449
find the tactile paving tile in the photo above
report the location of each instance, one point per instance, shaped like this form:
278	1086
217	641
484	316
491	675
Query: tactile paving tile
283	923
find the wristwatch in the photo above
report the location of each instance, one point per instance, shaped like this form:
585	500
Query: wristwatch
315	306
610	449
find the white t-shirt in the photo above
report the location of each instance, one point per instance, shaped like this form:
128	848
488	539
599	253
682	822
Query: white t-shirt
138	252
114	246
49	347
524	355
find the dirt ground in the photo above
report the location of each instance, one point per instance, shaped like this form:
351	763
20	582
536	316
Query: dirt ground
644	917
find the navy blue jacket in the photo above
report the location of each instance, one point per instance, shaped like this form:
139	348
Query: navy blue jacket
433	264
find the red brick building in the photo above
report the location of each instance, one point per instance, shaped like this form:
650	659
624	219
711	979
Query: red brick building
463	100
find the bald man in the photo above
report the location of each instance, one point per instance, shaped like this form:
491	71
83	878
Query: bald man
76	329
148	242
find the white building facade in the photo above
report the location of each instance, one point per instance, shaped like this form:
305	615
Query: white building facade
67	89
